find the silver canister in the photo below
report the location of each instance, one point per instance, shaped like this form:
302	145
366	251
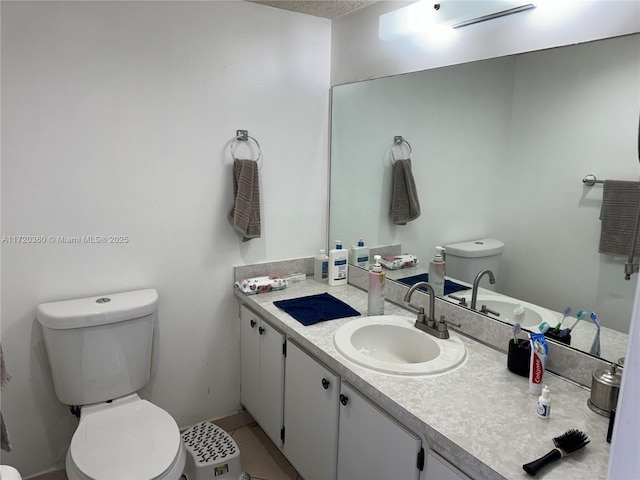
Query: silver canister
605	386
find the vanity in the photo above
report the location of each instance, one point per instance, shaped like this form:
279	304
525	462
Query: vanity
335	419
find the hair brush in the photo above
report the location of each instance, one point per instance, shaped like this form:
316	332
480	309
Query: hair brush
568	442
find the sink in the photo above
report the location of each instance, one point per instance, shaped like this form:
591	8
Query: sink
391	344
532	316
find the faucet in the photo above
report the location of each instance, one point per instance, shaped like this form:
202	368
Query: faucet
428	324
474	291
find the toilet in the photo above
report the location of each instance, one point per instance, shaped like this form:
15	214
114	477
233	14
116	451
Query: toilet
9	473
466	259
99	349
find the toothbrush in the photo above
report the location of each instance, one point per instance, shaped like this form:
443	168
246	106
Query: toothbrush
567	312
595	346
566	331
516	330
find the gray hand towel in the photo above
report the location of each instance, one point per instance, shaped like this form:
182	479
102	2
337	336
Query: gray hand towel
405	205
245	213
618	217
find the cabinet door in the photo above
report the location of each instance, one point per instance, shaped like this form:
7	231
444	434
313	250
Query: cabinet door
311	411
271	381
371	445
437	468
249	361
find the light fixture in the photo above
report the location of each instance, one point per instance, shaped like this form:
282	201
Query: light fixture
427	15
460	13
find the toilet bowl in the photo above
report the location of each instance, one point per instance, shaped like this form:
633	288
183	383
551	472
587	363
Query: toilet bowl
127	438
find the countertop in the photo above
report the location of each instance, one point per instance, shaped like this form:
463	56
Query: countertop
480	417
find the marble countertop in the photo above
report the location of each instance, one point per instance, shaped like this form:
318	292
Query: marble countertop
480	417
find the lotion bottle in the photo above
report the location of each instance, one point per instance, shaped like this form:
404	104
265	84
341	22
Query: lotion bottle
338	265
359	255
437	268
321	266
375	292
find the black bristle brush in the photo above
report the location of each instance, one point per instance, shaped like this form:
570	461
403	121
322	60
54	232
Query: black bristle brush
568	442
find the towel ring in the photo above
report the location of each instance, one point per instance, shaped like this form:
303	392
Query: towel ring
243	136
397	142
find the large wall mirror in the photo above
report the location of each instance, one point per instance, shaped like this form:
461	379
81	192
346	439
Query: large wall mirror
499	150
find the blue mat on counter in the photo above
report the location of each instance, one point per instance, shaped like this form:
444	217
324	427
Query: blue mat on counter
316	308
449	286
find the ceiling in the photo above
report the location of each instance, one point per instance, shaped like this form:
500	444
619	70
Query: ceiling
318	8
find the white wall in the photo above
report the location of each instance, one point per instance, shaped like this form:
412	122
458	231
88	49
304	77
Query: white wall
116	118
357	53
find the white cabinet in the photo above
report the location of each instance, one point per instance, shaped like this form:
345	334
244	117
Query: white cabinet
262	372
372	445
438	468
310	415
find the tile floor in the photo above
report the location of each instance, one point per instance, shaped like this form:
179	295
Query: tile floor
260	457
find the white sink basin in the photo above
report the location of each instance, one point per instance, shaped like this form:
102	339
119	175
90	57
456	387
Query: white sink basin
530	318
391	344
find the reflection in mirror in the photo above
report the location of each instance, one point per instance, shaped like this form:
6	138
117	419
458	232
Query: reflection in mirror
500	148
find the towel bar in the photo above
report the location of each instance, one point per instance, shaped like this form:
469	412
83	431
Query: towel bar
590	180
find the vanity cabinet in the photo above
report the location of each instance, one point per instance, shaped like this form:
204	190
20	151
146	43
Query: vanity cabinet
311	408
323	425
262	372
372	445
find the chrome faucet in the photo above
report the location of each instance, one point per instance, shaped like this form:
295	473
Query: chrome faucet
474	291
428	324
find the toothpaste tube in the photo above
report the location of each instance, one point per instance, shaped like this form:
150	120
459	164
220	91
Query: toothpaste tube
539	351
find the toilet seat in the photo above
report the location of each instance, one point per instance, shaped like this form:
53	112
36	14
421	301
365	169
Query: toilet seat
127	438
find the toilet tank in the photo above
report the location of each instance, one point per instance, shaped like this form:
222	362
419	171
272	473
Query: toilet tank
466	259
99	348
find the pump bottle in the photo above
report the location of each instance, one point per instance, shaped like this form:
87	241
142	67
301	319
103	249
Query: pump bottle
338	266
375	301
437	268
359	255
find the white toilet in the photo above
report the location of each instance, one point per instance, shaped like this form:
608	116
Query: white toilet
9	473
466	259
99	349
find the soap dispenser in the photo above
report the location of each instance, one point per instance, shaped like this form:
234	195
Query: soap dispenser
338	267
375	301
437	272
359	255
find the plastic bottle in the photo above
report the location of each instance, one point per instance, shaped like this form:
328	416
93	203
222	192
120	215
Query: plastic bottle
338	265
375	302
321	266
437	268
544	403
359	255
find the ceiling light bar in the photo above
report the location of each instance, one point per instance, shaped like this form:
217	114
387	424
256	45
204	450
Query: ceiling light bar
492	16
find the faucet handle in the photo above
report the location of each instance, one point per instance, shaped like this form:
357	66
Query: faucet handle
462	300
485	309
444	322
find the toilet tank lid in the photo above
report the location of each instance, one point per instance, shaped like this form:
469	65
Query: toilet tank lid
98	310
485	247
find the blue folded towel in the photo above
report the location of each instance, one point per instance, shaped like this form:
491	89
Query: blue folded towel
449	286
316	308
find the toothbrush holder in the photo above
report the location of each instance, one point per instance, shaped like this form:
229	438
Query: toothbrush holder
519	357
554	336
